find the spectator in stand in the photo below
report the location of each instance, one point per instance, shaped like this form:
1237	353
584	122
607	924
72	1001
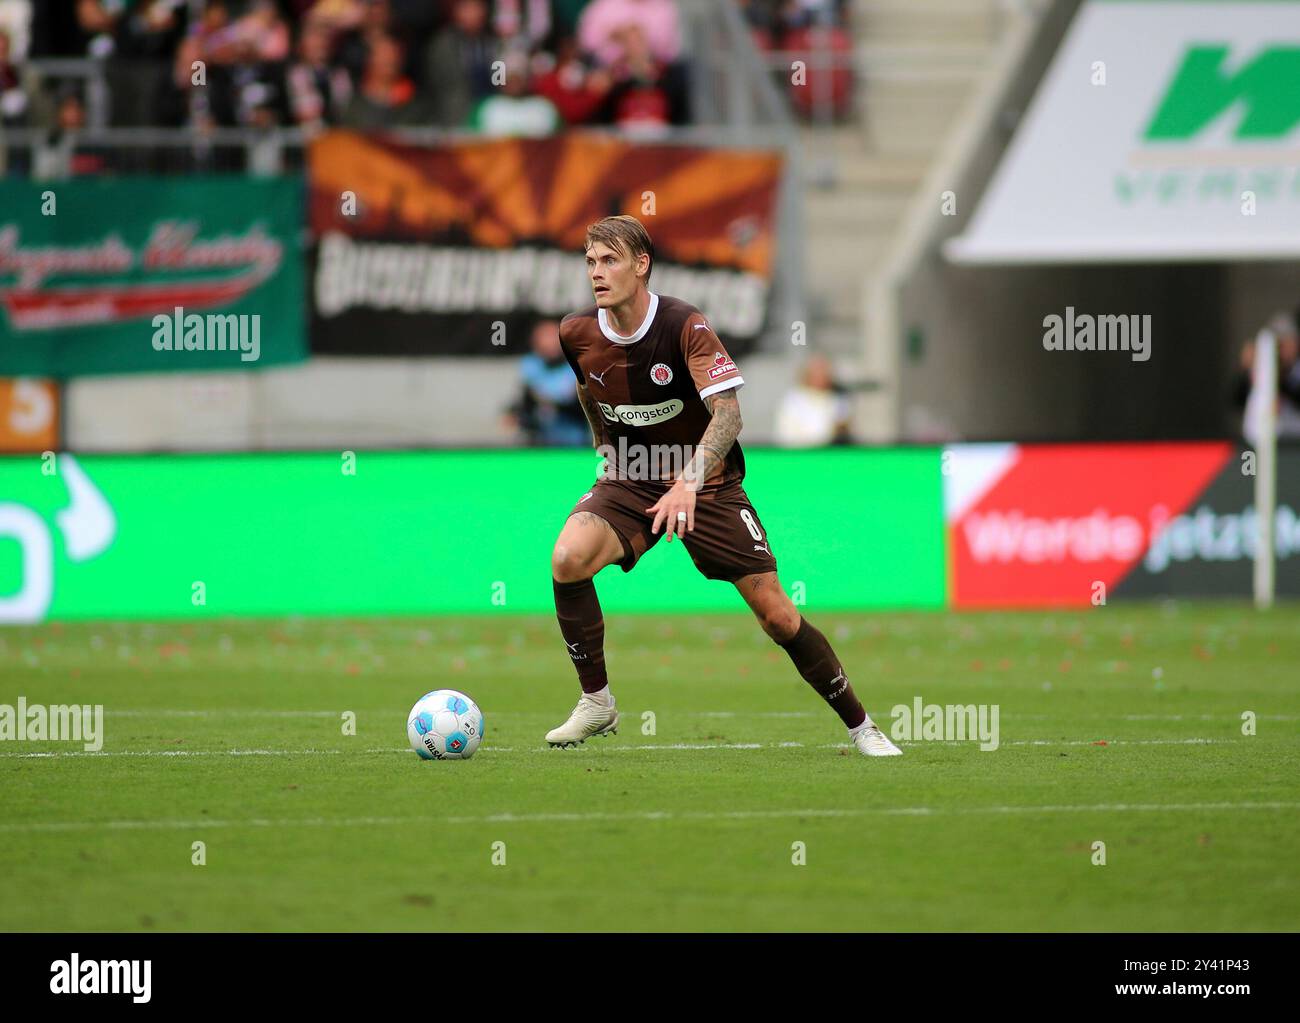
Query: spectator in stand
353	49
209	63
458	63
764	21
70	113
512	110
130	28
404	18
145	40
816	412
227	65
416	20
385	96
199	74
262	35
336	17
151	29
578	90
316	93
97	20
62	155
799	14
547	411
601	21
565	15
809	28
260	43
521	24
56	31
647	95
16	25
1286	399
15	105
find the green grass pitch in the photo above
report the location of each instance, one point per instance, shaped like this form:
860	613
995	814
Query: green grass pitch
1121	724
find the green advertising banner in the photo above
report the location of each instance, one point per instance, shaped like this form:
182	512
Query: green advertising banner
425	533
124	275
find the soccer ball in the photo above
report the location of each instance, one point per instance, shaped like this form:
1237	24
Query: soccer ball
445	725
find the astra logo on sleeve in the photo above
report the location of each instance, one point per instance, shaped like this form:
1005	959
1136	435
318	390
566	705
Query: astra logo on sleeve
722	365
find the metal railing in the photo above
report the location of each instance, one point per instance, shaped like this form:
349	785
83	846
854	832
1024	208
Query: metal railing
92	76
864	61
731	86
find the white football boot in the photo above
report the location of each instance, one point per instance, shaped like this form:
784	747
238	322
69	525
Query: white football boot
872	742
588	718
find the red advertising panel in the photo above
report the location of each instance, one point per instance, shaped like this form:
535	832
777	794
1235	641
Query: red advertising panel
1045	524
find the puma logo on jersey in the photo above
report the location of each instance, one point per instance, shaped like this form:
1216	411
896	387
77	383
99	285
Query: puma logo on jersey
760	547
600	377
700	326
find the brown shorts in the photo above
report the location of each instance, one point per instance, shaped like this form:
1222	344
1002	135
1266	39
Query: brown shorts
728	542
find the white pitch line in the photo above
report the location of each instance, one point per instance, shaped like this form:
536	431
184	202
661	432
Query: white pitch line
639	748
169	712
1101	742
174	712
1155	717
647	815
56	754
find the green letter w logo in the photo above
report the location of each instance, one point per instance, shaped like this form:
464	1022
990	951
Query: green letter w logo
1268	87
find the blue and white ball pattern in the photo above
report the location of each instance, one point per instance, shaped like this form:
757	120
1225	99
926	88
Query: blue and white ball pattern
445	725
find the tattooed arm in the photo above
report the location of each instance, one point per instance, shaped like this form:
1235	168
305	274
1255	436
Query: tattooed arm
594	418
721	433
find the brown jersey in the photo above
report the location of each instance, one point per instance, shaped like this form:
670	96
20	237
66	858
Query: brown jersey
650	387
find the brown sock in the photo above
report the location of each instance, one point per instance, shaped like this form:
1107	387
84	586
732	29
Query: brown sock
820	668
583	628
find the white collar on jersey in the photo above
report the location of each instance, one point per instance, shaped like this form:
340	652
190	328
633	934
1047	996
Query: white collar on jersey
619	339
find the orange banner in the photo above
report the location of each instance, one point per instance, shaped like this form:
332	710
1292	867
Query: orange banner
433	249
29	415
704	205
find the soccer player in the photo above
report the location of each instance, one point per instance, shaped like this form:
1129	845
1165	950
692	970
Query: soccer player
659	390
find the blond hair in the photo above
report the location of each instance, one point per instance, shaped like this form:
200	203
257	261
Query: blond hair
625	234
